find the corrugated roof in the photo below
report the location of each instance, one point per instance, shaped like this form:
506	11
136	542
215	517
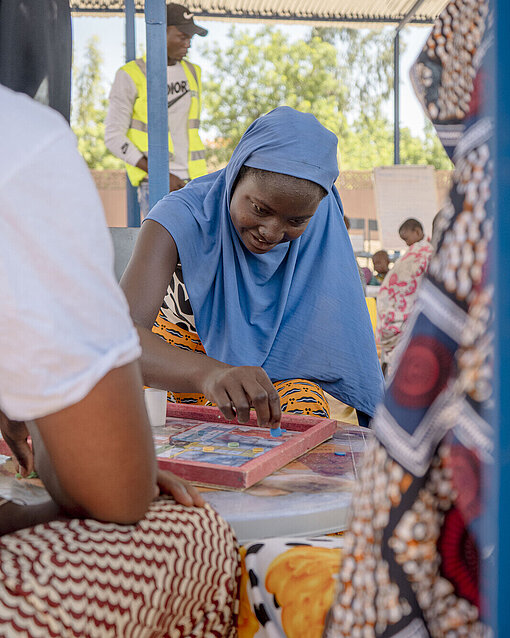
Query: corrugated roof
333	12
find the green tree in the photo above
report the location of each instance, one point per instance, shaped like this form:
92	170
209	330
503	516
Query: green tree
367	143
435	150
364	67
256	73
89	106
343	76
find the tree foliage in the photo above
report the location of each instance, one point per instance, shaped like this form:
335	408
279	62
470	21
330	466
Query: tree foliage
89	107
256	73
364	67
343	76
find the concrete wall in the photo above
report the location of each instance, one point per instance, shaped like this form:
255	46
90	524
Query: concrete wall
112	190
356	189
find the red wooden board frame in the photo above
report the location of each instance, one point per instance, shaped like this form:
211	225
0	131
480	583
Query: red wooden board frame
314	431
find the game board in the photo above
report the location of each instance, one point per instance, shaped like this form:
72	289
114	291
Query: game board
308	496
190	428
200	445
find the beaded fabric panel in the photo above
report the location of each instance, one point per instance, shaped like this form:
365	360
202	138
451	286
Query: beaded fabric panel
412	555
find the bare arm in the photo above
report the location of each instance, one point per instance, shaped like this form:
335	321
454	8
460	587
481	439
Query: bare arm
176	183
96	457
234	390
14	517
145	283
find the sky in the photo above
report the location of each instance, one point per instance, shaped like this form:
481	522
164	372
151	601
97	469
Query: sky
110	31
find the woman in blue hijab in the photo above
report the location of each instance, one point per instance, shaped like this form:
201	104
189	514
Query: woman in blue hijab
274	291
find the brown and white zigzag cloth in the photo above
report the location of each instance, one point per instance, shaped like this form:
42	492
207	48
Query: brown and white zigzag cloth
173	574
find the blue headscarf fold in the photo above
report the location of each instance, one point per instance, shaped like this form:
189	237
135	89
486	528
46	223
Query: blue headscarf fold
298	310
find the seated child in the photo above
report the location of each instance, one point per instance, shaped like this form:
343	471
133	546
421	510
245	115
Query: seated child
367	275
381	262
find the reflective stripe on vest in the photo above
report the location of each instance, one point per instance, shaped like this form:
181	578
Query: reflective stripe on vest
138	130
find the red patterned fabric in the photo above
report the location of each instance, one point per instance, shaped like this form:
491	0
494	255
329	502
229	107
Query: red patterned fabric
173	574
424	372
397	295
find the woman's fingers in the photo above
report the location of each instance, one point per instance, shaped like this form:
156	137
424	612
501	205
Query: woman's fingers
264	398
240	400
182	491
273	398
259	399
15	435
23	454
224	403
236	389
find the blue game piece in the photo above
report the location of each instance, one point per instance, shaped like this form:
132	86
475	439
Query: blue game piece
340	453
276	431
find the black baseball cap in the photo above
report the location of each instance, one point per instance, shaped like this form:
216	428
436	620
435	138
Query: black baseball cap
178	16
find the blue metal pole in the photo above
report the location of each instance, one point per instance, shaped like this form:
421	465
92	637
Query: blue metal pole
396	78
396	98
155	21
133	208
130	30
498	500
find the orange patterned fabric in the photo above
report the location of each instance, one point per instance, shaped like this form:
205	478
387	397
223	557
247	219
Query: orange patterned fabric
293	576
297	396
177	336
287	586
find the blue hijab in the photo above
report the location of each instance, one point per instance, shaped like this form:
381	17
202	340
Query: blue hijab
298	310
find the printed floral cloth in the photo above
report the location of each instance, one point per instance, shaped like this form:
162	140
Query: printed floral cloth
397	295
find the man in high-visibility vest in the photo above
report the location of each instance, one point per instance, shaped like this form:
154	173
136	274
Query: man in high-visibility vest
126	122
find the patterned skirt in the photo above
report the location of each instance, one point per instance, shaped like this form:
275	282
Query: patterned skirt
297	396
173	574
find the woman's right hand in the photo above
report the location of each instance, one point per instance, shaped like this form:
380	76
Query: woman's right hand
234	389
237	389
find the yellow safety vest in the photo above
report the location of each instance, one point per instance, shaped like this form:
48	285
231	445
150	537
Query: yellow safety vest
137	132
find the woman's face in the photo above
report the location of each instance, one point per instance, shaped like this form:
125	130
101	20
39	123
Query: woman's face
265	215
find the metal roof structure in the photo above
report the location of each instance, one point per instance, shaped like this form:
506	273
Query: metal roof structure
354	13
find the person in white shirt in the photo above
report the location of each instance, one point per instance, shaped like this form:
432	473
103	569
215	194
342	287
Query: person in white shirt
104	556
126	121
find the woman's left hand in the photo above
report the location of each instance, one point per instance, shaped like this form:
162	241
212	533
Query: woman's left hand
182	491
15	434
